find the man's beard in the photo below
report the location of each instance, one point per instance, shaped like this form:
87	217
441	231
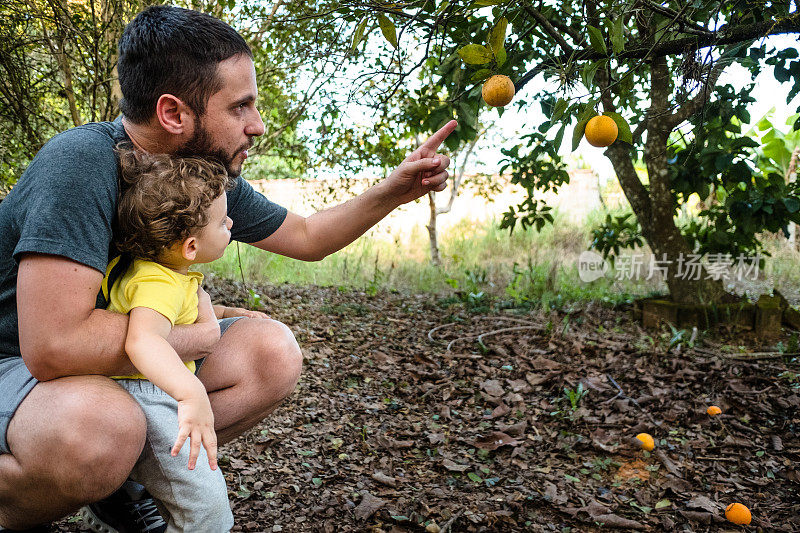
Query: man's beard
200	145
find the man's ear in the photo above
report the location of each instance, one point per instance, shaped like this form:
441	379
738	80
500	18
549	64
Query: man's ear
174	115
189	248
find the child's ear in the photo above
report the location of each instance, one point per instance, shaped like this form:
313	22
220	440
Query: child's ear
189	248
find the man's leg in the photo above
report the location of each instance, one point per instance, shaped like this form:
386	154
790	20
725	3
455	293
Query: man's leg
73	440
255	365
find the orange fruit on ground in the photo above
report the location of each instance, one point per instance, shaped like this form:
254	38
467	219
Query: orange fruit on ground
713	410
601	131
738	514
647	442
498	90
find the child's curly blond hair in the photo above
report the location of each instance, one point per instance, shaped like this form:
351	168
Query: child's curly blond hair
164	200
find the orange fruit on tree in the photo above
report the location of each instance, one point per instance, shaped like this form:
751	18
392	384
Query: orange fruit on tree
713	410
498	90
647	442
601	131
738	514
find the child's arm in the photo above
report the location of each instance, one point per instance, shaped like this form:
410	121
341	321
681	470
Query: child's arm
152	355
229	312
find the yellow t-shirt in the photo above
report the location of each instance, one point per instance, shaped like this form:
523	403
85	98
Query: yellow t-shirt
148	284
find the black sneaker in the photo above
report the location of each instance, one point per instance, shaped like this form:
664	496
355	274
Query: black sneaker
129	510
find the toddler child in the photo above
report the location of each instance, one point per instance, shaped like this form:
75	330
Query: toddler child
172	214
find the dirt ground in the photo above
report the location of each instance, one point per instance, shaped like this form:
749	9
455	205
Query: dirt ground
407	419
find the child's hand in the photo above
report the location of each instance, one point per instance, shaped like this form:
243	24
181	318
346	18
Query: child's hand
231	312
196	422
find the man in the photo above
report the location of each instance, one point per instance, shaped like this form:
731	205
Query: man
68	438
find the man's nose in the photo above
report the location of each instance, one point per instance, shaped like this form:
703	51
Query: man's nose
255	126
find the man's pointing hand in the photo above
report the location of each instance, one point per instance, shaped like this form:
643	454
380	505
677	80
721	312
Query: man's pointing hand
424	170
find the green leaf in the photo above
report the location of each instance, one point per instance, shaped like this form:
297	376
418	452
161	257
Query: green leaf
624	134
388	29
488	2
497	35
467	116
617	36
501	56
475	477
480	75
358	35
792	205
572	478
559	137
316	481
558	109
475	54
442	7
764	124
589	108
596	39
589	70
580	128
662	504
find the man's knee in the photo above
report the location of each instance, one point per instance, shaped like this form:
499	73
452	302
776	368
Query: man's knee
281	357
101	430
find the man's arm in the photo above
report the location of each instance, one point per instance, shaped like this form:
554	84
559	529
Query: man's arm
328	231
325	232
62	334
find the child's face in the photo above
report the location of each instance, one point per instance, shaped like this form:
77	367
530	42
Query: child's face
216	235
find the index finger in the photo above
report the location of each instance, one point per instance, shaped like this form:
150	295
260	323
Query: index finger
435	140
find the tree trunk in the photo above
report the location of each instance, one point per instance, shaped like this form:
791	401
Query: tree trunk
57	45
792	170
435	259
436	211
655	209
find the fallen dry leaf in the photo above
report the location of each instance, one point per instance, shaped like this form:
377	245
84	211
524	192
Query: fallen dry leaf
494	440
368	506
453	466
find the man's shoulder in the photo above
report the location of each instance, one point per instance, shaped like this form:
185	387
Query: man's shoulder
86	150
95	136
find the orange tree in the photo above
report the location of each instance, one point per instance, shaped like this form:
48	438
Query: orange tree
653	67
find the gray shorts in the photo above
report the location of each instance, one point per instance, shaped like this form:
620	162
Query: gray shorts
189	500
16	382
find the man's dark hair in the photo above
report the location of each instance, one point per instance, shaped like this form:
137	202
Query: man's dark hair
171	50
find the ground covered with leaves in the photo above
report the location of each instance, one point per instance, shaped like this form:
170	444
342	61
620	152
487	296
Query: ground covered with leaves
420	414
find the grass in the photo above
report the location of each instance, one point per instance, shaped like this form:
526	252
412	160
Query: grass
479	262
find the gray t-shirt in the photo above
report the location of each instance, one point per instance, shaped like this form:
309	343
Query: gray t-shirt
64	205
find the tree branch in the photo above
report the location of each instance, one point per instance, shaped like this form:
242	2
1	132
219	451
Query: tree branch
566	29
688	26
725	35
541	19
696	103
